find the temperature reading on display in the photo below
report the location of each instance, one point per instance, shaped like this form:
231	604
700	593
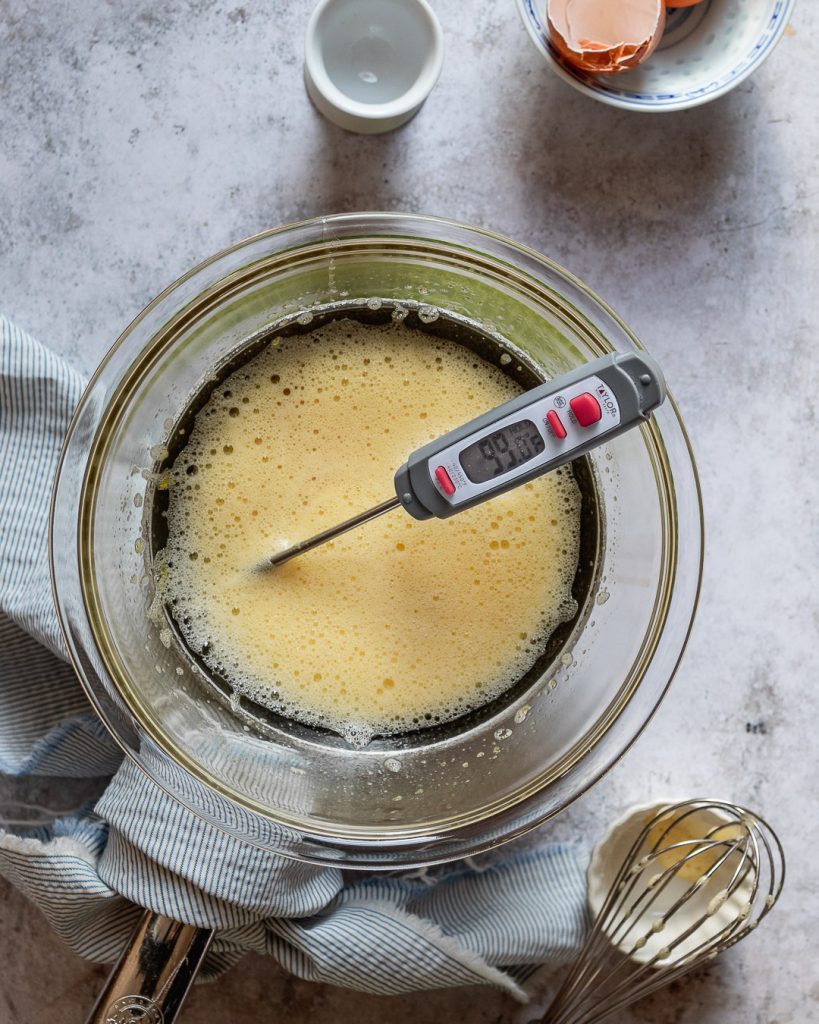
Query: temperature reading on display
502	451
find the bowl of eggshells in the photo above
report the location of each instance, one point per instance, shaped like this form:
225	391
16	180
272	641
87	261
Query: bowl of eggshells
655	55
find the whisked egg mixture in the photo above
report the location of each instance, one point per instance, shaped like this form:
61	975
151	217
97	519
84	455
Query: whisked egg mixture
397	624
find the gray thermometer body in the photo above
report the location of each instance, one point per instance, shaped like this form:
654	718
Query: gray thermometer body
530	435
519	441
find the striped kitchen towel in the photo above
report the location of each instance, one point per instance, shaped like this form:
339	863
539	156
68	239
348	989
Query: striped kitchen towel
90	871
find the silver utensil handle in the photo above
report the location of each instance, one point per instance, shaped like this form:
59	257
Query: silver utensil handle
153	975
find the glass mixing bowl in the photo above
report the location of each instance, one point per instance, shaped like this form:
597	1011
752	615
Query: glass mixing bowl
431	795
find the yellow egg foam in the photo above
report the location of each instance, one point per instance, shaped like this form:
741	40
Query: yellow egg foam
400	623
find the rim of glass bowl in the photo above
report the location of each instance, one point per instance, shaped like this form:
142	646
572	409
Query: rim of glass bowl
112	696
651	103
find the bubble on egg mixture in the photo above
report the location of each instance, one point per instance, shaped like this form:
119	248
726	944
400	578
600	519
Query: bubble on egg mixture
399	624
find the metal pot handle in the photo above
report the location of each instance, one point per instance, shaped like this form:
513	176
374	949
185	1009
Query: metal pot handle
153	975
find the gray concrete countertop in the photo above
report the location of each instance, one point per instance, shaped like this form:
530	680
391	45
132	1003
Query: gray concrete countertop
139	138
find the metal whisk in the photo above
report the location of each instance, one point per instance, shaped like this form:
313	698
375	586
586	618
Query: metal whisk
698	877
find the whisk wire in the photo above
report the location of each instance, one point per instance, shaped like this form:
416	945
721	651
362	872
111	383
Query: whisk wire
703	873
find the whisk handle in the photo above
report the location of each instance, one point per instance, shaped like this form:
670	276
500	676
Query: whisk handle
153	975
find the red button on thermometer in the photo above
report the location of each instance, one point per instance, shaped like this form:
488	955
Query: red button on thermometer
554	422
517	442
443	479
586	409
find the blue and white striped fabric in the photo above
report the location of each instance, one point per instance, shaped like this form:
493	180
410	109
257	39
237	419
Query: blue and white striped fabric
91	871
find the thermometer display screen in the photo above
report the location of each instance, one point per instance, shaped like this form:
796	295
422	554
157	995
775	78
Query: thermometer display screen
501	452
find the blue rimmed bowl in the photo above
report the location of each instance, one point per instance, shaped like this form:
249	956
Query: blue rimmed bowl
706	50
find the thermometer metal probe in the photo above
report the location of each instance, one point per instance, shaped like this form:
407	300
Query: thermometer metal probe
518	441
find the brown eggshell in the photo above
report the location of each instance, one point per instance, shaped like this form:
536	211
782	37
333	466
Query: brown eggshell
613	36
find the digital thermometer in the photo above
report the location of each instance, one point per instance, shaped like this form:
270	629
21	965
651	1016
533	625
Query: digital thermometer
522	439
